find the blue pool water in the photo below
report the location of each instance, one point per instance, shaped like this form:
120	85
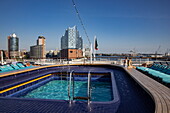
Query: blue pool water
58	89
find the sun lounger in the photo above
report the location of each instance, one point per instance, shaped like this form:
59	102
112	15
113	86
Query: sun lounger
15	66
157	71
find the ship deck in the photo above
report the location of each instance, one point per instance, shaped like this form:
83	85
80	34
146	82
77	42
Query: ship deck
159	93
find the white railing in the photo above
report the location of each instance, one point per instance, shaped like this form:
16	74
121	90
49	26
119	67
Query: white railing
99	60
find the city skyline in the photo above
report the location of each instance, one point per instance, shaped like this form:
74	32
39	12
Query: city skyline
120	25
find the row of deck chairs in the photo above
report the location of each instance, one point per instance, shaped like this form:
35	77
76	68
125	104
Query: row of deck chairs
12	67
159	71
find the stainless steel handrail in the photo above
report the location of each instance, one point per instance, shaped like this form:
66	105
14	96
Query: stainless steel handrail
69	86
89	87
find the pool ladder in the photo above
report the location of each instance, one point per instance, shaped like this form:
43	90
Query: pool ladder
71	82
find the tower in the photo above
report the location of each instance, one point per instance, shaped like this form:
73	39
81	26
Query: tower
13	46
41	41
38	50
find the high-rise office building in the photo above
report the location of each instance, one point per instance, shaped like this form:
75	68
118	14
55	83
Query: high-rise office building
13	46
38	51
41	40
71	44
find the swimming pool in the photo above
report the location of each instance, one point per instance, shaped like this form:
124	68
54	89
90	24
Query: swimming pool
58	89
128	97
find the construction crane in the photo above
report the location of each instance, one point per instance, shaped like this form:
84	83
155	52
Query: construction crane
167	52
156	52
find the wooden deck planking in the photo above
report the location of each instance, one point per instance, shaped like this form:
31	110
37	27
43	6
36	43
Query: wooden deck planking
159	92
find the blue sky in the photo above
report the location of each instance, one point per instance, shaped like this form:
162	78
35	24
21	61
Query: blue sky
120	25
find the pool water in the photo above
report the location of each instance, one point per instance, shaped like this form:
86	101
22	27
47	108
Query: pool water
58	89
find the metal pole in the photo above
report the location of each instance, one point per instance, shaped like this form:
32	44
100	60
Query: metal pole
2	60
89	88
84	55
91	52
94	49
73	86
69	87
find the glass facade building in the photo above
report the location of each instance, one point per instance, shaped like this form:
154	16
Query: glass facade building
71	39
13	46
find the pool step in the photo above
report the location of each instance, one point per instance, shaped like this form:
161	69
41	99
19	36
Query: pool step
82	98
21	86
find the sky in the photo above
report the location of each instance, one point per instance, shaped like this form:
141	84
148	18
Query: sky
119	25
